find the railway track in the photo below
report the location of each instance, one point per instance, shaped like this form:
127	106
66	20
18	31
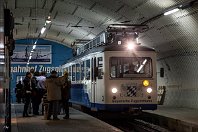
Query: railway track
135	125
126	123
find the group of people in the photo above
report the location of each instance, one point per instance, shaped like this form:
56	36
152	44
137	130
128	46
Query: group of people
36	85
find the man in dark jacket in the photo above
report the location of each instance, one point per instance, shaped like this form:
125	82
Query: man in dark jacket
35	94
18	91
66	95
27	93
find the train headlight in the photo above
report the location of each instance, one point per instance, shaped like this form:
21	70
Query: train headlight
149	90
114	90
146	83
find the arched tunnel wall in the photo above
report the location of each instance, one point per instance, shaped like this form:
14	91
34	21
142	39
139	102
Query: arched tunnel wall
175	39
181	80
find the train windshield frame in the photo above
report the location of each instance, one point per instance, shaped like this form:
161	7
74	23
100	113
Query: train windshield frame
130	67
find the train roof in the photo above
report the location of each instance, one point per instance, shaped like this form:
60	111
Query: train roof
111	47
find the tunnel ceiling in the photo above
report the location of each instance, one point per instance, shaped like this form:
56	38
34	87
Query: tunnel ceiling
166	33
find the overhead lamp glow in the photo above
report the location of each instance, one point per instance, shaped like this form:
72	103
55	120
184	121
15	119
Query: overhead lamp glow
32	51
1	45
171	11
2	56
43	30
30	57
28	63
130	45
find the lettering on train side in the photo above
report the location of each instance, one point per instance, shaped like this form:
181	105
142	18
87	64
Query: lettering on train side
132	101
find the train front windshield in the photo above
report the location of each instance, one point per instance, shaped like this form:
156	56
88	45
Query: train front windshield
130	67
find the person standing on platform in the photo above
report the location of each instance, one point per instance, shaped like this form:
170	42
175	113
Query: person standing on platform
66	95
53	85
35	94
18	91
41	87
27	93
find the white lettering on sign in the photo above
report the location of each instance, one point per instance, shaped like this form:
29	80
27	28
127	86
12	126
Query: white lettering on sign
39	68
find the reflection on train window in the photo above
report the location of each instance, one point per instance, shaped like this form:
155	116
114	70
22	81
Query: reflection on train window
124	67
77	72
88	69
73	72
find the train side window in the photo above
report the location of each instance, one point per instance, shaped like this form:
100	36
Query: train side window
73	72
82	70
94	72
113	71
128	67
100	68
88	69
78	72
70	72
113	68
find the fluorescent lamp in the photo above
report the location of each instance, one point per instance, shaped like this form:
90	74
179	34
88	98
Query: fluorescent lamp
34	47
2	63
32	51
30	57
137	40
171	11
43	30
48	21
28	63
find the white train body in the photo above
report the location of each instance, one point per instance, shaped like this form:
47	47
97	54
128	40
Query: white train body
113	78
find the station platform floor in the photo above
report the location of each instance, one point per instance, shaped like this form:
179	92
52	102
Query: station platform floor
177	119
78	122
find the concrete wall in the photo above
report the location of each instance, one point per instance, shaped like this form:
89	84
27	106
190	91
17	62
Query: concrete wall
181	80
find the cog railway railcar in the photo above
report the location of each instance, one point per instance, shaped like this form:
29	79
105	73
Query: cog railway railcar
113	72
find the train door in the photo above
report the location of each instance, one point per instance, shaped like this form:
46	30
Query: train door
100	81
93	79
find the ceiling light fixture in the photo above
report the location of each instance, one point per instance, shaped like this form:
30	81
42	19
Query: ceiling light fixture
48	21
171	11
43	30
34	47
